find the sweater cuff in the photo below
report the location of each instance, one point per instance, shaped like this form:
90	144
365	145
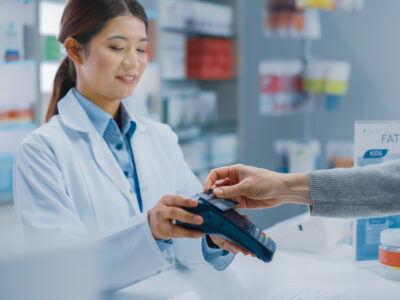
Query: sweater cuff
325	191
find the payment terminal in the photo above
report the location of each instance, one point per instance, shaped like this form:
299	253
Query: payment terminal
221	219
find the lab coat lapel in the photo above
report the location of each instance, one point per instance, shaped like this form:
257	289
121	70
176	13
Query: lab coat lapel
107	162
74	116
154	177
144	161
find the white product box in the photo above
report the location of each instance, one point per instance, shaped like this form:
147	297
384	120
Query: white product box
304	157
18	85
11	41
189	108
172	14
224	149
374	142
196	154
207	17
175	111
206	107
173	55
23	11
12	135
50	20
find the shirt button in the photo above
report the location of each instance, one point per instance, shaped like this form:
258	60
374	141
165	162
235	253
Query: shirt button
118	146
144	189
131	191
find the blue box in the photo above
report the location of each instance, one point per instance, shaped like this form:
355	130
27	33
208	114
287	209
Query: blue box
6	182
368	235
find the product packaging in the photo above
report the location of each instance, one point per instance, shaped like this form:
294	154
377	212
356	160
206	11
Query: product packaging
11	42
281	89
374	142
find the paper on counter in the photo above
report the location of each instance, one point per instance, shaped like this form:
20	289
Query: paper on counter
296	292
186	296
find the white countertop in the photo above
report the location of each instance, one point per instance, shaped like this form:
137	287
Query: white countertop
291	275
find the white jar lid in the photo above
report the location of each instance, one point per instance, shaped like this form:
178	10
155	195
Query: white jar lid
391	237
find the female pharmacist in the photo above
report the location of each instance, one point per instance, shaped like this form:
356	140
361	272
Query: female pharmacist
97	170
356	192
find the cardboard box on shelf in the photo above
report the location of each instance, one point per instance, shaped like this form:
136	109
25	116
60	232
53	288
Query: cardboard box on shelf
209	58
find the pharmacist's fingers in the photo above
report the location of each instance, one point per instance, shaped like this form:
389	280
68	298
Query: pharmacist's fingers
228	245
179	201
175	231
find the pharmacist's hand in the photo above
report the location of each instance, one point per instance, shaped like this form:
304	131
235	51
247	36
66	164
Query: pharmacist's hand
228	245
255	188
162	216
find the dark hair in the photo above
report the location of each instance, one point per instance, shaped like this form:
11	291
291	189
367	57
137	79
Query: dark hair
82	20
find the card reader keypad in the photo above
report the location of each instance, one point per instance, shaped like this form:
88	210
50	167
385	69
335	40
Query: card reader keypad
260	236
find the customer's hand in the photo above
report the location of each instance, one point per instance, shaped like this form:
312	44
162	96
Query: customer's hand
256	188
162	216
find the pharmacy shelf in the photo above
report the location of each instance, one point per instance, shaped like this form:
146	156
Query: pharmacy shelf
26	62
180	80
207	169
21	13
212	127
16	1
190	137
196	33
190	134
55	1
151	14
6	199
50	62
227	91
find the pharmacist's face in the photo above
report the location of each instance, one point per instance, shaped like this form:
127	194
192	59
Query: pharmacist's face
115	59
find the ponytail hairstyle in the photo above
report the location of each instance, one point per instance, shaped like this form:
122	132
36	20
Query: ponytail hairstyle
82	20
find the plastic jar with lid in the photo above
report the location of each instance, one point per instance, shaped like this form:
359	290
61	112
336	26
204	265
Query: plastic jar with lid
389	253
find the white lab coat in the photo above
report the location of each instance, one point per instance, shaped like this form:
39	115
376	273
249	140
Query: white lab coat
67	181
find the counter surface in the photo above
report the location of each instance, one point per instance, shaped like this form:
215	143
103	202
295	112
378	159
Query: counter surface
291	275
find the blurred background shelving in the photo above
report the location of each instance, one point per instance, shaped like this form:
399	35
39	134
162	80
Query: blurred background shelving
195	57
216	115
195	93
19	82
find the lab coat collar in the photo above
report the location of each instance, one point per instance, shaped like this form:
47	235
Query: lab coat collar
133	118
73	115
98	117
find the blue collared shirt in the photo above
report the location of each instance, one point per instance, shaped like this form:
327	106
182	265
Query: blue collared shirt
118	140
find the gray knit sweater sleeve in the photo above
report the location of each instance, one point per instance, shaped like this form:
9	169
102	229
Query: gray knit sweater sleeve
357	192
